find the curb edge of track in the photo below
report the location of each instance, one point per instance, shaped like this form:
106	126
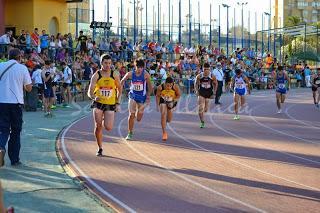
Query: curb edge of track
72	173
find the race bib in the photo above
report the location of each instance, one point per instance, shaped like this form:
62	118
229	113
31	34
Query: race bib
137	86
282	86
106	92
240	86
167	98
206	85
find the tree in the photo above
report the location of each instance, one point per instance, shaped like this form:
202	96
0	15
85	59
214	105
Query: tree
292	21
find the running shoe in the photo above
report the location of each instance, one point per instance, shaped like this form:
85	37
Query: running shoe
202	124
53	107
317	105
236	117
129	136
47	114
99	152
279	111
164	136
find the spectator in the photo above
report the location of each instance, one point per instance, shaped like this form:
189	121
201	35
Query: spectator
83	42
14	77
218	73
307	76
67	83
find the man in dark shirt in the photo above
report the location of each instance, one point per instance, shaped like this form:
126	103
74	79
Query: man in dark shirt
83	42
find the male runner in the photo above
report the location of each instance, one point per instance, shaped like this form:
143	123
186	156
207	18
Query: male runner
241	85
167	96
105	91
205	86
280	79
139	94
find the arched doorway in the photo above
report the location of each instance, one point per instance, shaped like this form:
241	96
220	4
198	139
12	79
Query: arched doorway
53	26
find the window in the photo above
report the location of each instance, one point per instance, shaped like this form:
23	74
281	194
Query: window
305	13
315	4
83	15
302	4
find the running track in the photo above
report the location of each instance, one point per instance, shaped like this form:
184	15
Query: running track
266	162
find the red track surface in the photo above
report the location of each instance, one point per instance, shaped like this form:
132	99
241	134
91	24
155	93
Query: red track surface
264	162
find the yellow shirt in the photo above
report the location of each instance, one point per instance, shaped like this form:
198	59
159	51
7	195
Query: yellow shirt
105	89
168	95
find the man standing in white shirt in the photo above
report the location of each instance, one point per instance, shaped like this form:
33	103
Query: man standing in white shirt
218	73
163	74
67	83
13	78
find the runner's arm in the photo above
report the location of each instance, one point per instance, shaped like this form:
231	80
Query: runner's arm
119	88
248	84
92	85
215	82
150	89
196	85
178	93
125	78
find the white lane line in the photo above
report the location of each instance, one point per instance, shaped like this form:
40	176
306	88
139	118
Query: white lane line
234	161
299	121
183	177
259	145
92	182
278	131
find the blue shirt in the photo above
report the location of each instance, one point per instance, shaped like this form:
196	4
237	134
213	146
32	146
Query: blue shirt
138	90
44	41
307	72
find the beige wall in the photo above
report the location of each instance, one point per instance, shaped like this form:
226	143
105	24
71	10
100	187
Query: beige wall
19	14
45	10
28	14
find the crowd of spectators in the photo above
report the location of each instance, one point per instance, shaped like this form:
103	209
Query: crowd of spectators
75	60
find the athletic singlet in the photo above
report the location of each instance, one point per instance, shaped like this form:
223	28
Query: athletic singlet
105	89
239	83
138	88
167	95
281	81
206	86
316	81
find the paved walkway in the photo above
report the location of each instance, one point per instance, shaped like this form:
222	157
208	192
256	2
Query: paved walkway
41	184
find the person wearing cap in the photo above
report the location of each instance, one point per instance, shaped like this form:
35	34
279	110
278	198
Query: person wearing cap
218	73
13	78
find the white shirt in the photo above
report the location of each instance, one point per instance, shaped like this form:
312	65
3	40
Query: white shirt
163	73
66	74
218	74
5	39
36	76
13	82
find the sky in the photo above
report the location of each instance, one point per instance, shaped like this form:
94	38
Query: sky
254	6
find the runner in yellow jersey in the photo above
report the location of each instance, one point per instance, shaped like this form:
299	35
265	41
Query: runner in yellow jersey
105	91
168	95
